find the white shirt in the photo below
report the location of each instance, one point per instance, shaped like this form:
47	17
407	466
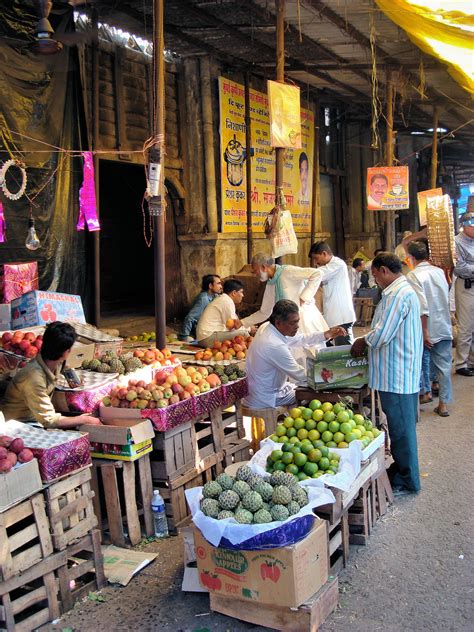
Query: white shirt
297	284
338	308
432	290
354	278
215	316
269	364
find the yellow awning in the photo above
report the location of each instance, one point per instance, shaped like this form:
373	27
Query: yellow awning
442	28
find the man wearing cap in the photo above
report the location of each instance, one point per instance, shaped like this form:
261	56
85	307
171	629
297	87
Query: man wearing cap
464	292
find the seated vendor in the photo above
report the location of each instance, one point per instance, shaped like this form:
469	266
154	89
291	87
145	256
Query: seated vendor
211	288
28	396
270	363
219	320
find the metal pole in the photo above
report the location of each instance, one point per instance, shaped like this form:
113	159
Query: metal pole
389	218
280	77
95	145
434	149
316	200
248	166
157	154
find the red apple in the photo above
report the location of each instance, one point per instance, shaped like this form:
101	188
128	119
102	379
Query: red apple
7	337
29	336
17	445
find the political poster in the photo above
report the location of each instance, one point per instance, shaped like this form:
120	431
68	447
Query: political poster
285	119
298	165
387	188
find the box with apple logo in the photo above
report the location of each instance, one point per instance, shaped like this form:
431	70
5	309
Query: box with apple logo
41	308
286	576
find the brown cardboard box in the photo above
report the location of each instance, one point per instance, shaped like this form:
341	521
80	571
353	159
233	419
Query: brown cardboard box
20	483
80	351
121	439
287	576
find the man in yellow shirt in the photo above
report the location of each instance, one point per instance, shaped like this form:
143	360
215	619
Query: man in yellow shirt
28	396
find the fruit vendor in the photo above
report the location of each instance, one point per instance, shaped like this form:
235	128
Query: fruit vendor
220	316
287	282
332	274
28	396
395	348
211	288
270	363
464	292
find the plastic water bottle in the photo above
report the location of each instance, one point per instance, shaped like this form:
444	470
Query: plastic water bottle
159	515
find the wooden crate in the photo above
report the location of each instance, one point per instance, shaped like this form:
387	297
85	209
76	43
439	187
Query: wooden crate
172	489
25	537
69	503
364	310
306	618
338	544
30	600
128	485
236	452
83	571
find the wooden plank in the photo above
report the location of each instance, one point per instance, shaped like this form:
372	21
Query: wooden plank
335	542
67	601
131	510
8	616
72	509
47	565
96	498
42	523
178	451
28	600
52	590
76	480
78	531
112	502
34	622
16	540
146	487
17	513
98	559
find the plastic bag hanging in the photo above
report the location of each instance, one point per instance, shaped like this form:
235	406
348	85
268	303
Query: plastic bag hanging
87	198
3	225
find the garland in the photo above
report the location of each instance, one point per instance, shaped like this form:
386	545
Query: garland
3	183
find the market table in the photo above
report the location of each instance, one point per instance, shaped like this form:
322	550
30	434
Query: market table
305	393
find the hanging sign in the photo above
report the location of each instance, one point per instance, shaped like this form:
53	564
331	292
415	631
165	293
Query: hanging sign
285	116
387	188
3	226
422	201
87	199
297	169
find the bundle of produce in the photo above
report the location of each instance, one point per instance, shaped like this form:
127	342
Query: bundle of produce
12	451
127	362
234	349
165	389
26	344
324	424
227	373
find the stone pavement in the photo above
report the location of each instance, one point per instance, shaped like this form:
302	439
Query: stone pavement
417	574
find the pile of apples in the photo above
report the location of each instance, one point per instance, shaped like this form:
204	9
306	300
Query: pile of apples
26	344
235	349
12	451
165	389
155	356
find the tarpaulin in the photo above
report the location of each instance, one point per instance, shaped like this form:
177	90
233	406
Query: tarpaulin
441	28
40	101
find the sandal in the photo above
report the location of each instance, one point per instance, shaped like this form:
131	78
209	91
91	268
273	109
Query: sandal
425	399
443	413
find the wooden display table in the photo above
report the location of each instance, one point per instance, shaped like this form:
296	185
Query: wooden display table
305	393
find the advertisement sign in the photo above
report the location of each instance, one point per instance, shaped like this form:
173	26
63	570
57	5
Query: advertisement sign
422	200
387	188
285	119
298	167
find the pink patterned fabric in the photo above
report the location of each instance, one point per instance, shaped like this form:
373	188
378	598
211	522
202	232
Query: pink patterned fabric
87	199
88	401
233	391
17	279
3	225
170	417
205	402
63	459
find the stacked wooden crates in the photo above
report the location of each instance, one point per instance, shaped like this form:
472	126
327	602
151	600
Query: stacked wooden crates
193	453
40	558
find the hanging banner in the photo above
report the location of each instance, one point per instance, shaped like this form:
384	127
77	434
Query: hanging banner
422	200
297	172
387	188
285	119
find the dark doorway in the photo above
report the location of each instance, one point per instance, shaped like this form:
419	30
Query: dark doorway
126	262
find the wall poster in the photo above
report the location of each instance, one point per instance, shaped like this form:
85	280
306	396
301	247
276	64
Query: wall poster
387	188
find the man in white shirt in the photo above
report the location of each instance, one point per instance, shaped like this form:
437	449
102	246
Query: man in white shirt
464	291
432	289
270	363
355	274
287	282
220	317
333	276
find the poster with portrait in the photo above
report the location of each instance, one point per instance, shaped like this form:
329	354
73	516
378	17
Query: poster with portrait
297	170
422	200
387	188
285	116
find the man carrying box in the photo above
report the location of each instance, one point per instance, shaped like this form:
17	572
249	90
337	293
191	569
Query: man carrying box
28	396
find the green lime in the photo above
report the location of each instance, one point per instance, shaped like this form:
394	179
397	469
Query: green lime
338	407
291	469
314	404
314	455
310	424
279	466
301	476
276	455
342	444
307	413
343	416
294	441
286	447
323	463
327	436
288	422
326	407
300	459
313	435
302	434
322	426
350	436
331	444
295	449
318	414
299	423
310	468
280	430
338	437
291	432
274	437
324	450
359	419
345	427
334	426
329	416
287	457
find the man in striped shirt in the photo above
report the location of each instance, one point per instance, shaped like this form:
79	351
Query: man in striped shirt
395	349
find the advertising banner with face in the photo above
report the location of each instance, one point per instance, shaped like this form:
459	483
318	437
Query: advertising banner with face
387	188
285	118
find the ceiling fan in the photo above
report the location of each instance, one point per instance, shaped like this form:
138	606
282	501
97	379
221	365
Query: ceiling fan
46	41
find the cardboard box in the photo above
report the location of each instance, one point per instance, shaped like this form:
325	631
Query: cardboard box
334	368
41	308
16	279
80	351
287	576
190	581
125	440
21	483
5	316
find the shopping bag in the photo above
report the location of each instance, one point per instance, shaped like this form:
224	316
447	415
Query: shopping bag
283	238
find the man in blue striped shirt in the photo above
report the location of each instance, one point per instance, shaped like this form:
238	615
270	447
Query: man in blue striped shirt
395	349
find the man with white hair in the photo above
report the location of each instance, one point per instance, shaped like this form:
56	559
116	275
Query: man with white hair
291	283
